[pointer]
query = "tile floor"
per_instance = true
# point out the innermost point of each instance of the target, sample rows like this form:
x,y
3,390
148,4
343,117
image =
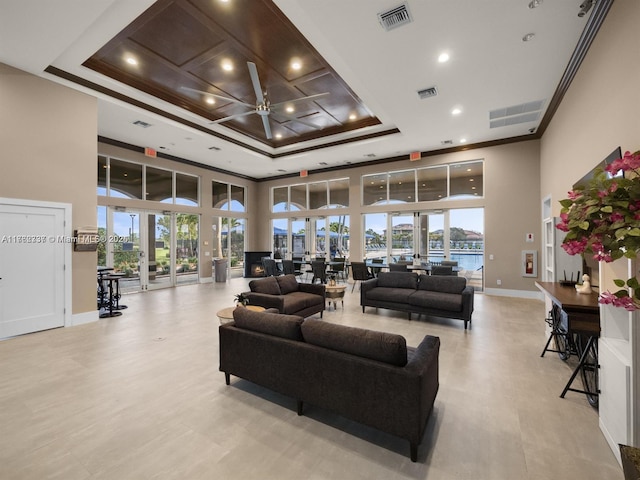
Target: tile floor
x,y
140,397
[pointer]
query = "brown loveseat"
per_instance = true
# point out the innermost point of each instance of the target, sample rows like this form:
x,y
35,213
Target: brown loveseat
x,y
370,377
287,295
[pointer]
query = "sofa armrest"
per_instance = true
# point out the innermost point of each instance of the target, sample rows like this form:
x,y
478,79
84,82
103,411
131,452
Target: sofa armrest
x,y
467,302
315,288
424,363
265,300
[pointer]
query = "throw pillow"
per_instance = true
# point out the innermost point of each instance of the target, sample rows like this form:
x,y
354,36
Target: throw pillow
x,y
268,285
383,347
287,283
278,325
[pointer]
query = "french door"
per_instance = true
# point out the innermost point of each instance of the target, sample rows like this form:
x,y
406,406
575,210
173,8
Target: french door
x,y
152,249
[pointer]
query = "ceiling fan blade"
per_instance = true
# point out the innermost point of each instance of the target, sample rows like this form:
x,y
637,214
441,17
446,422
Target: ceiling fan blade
x,y
253,73
232,100
303,99
294,119
267,127
231,117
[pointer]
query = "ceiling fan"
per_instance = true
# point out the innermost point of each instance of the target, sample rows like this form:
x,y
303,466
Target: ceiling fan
x,y
263,106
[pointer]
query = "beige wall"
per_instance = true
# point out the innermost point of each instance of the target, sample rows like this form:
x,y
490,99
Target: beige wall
x,y
600,110
511,201
48,135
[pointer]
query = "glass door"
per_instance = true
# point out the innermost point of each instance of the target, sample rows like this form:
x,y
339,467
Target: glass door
x,y
161,270
298,238
432,245
402,238
123,249
187,241
466,241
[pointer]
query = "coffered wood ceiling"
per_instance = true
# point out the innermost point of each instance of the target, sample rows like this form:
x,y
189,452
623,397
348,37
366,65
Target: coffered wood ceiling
x,y
186,43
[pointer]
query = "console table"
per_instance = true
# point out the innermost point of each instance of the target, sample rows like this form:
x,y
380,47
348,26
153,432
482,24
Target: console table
x,y
582,312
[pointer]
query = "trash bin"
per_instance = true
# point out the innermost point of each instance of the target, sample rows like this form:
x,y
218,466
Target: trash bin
x,y
220,268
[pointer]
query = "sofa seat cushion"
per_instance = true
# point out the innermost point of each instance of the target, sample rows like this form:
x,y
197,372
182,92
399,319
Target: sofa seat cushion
x,y
287,283
398,280
451,302
268,285
442,283
297,301
383,347
278,325
390,294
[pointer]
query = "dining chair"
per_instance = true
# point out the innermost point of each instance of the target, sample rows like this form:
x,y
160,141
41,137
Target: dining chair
x,y
289,268
338,268
319,269
360,272
442,270
398,267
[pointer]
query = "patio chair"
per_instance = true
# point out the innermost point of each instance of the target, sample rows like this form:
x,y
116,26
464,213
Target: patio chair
x,y
319,270
359,272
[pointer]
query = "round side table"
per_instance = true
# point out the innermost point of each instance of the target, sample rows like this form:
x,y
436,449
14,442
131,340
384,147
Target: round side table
x,y
226,314
335,293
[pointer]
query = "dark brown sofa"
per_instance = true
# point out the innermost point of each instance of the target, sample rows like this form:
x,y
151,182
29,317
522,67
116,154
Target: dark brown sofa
x,y
436,295
370,377
287,295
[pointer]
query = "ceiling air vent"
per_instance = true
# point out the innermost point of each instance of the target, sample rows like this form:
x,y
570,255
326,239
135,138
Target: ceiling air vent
x,y
427,92
447,142
396,17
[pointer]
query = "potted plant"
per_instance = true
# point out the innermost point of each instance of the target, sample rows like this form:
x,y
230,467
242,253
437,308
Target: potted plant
x,y
241,299
602,218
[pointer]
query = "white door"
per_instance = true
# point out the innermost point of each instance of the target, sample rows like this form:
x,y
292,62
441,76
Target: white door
x,y
32,277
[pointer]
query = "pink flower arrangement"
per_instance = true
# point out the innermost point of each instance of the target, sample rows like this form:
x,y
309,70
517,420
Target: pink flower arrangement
x,y
602,219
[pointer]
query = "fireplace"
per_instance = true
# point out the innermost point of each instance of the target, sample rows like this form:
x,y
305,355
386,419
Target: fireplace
x,y
253,264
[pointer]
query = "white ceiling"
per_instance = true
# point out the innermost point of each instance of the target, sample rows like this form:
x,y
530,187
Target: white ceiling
x,y
490,67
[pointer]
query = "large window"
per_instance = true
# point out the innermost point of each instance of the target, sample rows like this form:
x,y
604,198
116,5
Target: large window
x,y
228,197
311,196
122,179
457,180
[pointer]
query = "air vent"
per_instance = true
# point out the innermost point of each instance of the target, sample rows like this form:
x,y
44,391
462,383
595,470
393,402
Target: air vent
x,y
427,92
515,114
396,17
370,155
216,149
142,124
447,142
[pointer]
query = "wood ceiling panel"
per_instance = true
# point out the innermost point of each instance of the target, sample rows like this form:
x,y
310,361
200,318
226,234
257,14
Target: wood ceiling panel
x,y
195,38
183,43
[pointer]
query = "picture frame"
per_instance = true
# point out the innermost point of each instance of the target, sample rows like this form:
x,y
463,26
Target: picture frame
x,y
529,263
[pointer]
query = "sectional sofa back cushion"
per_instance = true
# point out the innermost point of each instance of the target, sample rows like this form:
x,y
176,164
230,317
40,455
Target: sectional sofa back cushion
x,y
383,347
442,283
398,280
278,325
287,283
268,285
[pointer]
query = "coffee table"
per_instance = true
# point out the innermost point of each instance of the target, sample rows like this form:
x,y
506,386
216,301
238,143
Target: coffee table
x,y
335,293
226,314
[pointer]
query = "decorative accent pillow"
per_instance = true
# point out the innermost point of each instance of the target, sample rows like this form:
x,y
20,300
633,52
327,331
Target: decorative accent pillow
x,y
398,280
288,283
383,347
276,324
268,285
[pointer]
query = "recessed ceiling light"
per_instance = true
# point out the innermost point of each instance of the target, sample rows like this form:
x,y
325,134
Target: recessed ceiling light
x,y
210,100
289,109
444,57
352,116
463,140
227,66
278,136
528,37
471,179
296,64
131,61
456,111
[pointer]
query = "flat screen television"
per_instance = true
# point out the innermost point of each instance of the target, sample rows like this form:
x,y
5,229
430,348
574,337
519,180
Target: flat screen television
x,y
616,154
589,265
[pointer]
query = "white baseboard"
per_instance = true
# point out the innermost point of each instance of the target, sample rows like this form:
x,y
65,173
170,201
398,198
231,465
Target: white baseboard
x,y
82,318
503,292
612,443
206,280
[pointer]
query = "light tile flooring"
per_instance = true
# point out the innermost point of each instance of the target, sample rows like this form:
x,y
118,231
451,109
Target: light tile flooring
x,y
140,397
